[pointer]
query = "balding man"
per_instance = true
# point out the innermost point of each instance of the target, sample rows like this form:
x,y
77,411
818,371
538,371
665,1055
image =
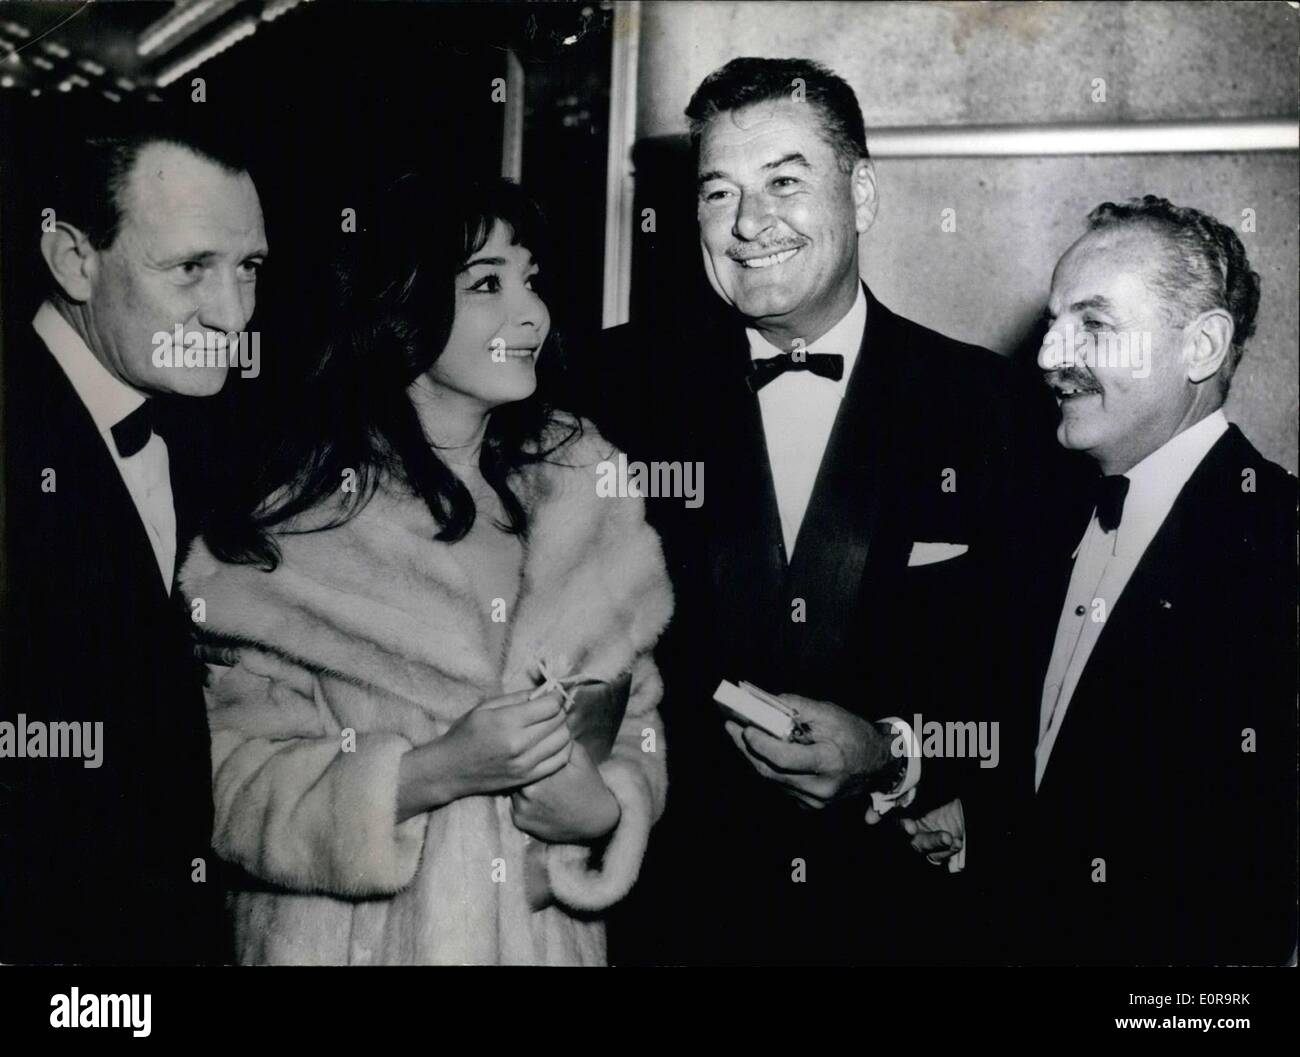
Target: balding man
x,y
1158,766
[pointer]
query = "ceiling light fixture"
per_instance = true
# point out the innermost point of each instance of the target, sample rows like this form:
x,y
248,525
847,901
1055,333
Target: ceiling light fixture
x,y
183,20
236,32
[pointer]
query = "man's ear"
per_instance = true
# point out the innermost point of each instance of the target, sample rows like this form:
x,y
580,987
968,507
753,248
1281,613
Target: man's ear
x,y
1207,343
863,181
72,260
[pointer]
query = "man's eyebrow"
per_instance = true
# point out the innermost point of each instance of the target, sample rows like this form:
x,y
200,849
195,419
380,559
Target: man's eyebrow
x,y
201,256
206,256
794,157
1098,302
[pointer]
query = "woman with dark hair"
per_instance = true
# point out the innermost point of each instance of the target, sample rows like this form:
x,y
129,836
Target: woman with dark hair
x,y
424,572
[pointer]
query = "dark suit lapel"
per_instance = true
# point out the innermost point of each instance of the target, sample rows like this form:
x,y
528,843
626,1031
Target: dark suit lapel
x,y
841,523
82,462
1043,582
1160,590
746,551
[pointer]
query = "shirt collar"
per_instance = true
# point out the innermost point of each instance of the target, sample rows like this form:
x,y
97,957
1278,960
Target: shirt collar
x,y
107,398
1155,482
843,339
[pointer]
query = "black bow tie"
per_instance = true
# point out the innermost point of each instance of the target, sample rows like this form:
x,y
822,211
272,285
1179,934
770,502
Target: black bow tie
x,y
825,364
1109,493
133,432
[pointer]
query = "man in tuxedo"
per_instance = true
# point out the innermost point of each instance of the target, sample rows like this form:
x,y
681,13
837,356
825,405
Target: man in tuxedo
x,y
150,234
1157,772
858,469
1164,771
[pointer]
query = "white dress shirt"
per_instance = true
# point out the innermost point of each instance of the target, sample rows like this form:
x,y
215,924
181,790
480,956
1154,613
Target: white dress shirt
x,y
1103,563
799,410
109,400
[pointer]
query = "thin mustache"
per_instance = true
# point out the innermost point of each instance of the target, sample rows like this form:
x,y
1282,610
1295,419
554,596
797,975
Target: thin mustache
x,y
766,251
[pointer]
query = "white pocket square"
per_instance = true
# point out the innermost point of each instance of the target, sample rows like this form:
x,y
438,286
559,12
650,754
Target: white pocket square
x,y
929,553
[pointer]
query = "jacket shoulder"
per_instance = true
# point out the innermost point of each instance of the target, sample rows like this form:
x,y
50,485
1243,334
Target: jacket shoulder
x,y
1240,503
964,363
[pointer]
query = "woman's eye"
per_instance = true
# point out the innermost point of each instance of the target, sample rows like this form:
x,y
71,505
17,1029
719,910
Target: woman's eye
x,y
489,284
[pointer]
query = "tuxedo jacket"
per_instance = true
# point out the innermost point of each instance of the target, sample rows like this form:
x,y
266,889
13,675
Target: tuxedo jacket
x,y
1164,830
97,865
925,450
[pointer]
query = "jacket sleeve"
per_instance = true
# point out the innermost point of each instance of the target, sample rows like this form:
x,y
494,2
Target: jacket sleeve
x,y
297,803
591,879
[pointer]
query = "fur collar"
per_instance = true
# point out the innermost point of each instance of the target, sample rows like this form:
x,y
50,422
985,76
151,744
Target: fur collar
x,y
378,602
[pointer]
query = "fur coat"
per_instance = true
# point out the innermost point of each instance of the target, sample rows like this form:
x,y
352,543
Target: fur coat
x,y
373,627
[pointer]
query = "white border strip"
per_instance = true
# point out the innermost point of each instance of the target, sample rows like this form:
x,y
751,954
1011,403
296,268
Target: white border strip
x,y
512,120
1157,137
619,178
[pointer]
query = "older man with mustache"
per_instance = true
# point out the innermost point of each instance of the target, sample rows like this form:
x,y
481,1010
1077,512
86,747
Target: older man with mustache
x,y
861,474
1159,799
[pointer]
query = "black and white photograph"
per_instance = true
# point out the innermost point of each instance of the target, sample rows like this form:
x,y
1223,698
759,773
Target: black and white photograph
x,y
655,484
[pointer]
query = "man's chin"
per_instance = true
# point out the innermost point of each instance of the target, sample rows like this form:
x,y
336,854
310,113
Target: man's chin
x,y
764,304
192,381
1074,437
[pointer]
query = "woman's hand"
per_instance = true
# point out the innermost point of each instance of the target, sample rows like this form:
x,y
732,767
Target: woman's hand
x,y
501,744
573,806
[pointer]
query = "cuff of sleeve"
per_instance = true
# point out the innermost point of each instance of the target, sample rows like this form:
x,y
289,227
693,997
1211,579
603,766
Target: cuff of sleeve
x,y
375,854
958,862
904,792
573,882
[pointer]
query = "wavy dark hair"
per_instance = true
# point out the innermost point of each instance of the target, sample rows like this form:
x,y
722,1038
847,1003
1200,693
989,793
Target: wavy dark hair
x,y
392,309
748,80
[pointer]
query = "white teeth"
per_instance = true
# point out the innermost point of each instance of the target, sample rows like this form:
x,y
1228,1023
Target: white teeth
x,y
767,262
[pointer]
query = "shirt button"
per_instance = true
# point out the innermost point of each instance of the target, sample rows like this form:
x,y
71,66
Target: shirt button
x,y
1079,611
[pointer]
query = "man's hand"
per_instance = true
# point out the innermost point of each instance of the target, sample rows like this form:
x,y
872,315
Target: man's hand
x,y
846,753
572,806
939,834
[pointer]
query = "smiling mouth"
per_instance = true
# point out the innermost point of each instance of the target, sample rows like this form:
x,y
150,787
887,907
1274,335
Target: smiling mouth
x,y
522,352
1065,393
771,260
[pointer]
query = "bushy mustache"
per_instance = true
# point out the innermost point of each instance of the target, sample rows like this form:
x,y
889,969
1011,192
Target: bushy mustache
x,y
1072,378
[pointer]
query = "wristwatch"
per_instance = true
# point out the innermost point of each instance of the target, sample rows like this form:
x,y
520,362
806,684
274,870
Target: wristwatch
x,y
902,777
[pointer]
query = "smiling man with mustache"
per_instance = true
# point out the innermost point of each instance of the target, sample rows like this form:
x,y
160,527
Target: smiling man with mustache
x,y
1158,818
861,468
781,206
1180,847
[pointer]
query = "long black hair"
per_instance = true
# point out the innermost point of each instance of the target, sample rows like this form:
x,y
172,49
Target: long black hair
x,y
390,313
